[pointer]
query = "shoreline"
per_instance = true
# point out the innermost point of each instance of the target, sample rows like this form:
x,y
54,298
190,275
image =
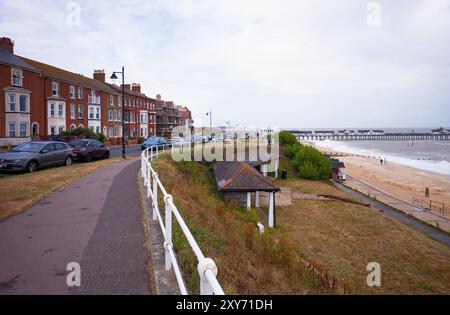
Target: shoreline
x,y
401,181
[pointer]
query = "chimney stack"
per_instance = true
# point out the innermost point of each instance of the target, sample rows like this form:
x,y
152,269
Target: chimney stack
x,y
136,87
7,44
99,75
127,86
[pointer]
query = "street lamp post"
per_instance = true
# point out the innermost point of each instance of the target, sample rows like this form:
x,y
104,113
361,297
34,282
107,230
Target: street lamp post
x,y
114,77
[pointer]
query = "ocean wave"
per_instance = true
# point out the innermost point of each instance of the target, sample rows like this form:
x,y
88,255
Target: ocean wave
x,y
421,163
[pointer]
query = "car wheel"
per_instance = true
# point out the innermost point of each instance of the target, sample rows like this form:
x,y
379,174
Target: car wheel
x,y
68,161
106,155
32,166
88,158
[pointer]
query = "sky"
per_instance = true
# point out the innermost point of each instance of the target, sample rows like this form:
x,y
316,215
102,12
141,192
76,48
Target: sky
x,y
284,63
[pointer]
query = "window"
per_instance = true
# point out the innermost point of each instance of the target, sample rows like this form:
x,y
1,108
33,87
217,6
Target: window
x,y
52,130
12,103
52,110
17,77
72,111
72,92
23,130
91,113
111,100
80,112
50,147
97,113
60,147
73,127
23,102
97,129
55,88
12,130
60,110
80,93
61,129
127,116
111,115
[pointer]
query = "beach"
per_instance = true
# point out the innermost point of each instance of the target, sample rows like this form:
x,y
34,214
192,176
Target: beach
x,y
402,182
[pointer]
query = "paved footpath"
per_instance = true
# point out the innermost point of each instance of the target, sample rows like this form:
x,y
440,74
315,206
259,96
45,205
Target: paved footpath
x,y
96,221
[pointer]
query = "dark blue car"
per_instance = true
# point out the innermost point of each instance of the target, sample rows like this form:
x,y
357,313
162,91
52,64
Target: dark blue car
x,y
153,142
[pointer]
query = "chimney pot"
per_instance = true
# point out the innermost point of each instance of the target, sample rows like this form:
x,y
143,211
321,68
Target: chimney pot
x,y
100,75
7,44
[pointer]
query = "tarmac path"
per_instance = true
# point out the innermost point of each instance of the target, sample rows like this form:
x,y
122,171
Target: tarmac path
x,y
95,221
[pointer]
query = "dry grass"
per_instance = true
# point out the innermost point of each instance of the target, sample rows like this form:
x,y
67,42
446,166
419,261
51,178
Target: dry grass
x,y
19,192
247,263
344,238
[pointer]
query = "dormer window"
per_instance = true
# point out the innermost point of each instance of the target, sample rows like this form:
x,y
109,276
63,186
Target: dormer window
x,y
16,77
55,88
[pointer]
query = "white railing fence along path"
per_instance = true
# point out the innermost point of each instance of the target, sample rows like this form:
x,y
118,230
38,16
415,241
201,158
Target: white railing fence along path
x,y
206,267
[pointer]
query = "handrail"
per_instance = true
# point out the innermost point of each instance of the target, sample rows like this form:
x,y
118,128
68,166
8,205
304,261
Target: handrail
x,y
206,267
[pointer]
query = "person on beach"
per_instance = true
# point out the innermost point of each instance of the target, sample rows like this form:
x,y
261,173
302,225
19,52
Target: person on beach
x,y
385,162
381,161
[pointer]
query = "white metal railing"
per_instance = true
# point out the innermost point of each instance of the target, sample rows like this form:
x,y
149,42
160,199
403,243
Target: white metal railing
x,y
206,267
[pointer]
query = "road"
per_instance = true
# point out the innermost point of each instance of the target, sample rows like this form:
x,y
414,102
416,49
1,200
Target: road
x,y
387,210
96,222
134,150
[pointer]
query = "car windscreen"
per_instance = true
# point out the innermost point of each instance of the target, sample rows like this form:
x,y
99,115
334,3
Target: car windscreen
x,y
29,147
78,143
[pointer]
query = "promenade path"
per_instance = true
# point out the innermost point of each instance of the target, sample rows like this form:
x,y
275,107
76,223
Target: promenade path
x,y
95,221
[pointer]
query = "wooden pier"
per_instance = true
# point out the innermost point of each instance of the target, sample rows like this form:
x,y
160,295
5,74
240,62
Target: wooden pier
x,y
302,135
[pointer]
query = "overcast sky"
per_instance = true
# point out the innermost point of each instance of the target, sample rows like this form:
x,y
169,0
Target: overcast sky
x,y
283,63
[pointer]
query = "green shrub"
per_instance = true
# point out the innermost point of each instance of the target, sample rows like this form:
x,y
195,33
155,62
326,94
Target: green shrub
x,y
84,133
312,164
291,150
287,138
140,140
101,137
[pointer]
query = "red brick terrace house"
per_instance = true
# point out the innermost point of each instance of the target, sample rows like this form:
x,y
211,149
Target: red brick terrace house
x,y
21,114
140,114
73,100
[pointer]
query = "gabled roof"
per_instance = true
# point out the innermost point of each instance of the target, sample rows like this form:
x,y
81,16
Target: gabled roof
x,y
12,60
67,76
240,177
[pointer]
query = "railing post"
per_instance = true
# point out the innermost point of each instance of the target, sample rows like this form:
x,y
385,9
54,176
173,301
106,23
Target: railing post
x,y
168,232
155,196
202,267
149,184
271,210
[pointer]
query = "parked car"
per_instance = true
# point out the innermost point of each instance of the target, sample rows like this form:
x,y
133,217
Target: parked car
x,y
88,149
153,142
31,156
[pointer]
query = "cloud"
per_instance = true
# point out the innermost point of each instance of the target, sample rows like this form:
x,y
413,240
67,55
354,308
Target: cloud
x,y
285,63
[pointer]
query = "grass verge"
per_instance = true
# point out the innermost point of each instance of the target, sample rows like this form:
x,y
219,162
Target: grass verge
x,y
248,263
19,192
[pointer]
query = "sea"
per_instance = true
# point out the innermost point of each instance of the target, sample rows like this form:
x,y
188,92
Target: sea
x,y
431,156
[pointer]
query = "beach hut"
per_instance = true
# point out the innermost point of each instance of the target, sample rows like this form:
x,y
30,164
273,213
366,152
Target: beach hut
x,y
337,172
238,181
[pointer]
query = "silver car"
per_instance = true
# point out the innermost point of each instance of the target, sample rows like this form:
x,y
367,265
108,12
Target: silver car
x,y
31,156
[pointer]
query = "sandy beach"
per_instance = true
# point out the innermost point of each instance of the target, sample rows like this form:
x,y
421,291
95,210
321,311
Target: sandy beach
x,y
398,180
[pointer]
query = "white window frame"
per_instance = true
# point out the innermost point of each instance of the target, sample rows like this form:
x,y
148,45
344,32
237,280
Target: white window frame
x,y
20,129
10,97
80,112
72,111
13,130
72,92
97,113
18,73
51,110
80,93
55,88
60,110
26,103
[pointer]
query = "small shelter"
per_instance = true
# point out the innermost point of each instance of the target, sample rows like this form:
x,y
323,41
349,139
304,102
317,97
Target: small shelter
x,y
237,181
